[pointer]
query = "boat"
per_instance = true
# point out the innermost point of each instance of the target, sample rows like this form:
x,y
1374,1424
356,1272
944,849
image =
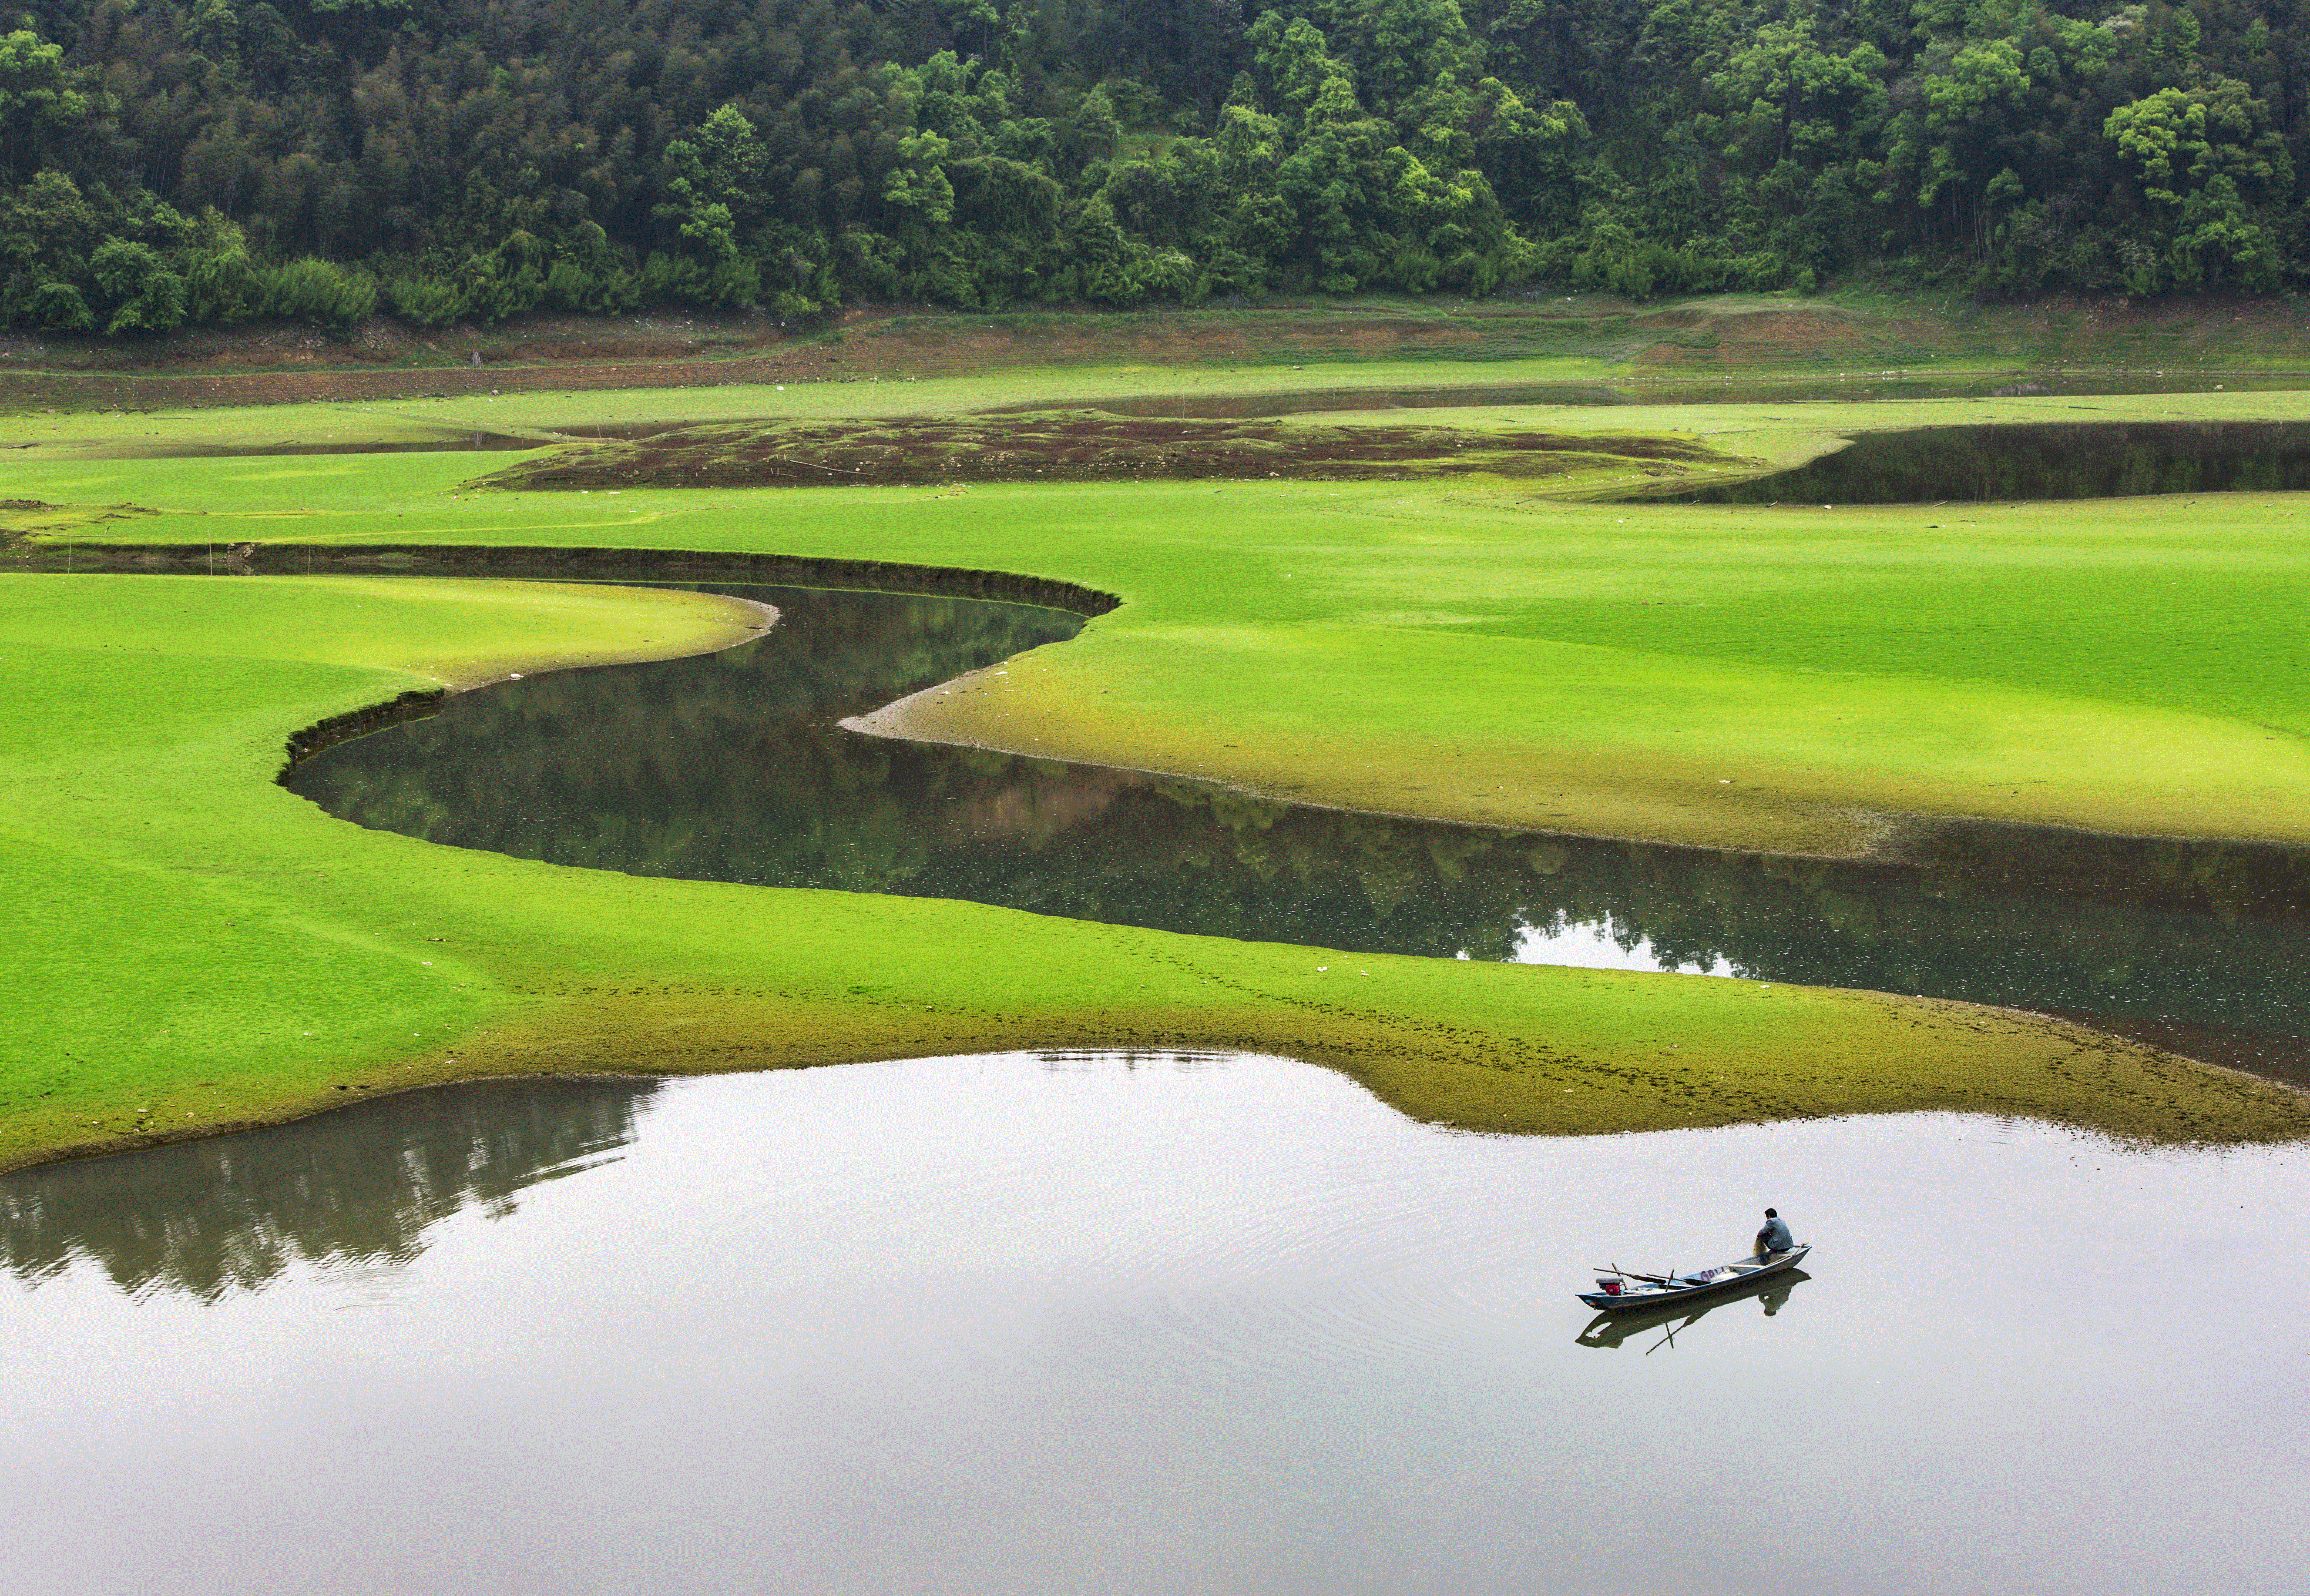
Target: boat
x,y
1623,1289
1680,1314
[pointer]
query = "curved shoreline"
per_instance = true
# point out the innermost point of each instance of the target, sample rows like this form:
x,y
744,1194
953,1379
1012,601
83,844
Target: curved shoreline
x,y
545,563
1895,827
1371,1055
596,972
898,728
798,570
957,582
889,721
1899,828
420,703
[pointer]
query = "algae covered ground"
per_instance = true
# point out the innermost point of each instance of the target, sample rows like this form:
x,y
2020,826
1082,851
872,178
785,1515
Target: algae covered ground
x,y
194,948
1484,649
1783,679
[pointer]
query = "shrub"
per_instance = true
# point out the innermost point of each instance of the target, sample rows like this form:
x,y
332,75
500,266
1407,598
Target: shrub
x,y
567,287
147,296
426,302
313,290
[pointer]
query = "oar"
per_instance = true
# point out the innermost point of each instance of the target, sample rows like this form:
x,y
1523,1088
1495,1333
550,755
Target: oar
x,y
1632,1275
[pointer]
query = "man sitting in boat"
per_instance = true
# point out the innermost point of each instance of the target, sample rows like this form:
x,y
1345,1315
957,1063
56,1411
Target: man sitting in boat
x,y
1775,1236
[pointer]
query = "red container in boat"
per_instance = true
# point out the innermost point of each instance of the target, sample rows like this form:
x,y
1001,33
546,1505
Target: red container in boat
x,y
1612,1287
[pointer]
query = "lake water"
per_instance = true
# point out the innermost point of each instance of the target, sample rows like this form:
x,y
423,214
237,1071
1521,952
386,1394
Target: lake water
x,y
731,767
1023,1324
2038,460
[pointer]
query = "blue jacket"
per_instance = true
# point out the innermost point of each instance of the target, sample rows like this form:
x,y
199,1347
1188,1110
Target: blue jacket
x,y
1776,1238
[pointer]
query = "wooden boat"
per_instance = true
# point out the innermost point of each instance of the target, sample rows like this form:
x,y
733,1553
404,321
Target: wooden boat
x,y
1675,1315
1624,1289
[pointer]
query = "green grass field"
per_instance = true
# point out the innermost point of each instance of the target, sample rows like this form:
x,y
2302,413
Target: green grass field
x,y
178,430
192,947
1779,679
68,446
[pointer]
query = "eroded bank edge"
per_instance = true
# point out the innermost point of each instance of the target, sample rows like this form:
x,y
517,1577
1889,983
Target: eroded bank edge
x,y
422,703
1394,1059
800,570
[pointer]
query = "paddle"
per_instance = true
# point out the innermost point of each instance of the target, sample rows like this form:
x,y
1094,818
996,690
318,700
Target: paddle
x,y
1632,1275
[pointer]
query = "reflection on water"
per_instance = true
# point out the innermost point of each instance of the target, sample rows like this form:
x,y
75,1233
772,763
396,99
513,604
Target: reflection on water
x,y
2039,460
1142,1326
236,1213
732,768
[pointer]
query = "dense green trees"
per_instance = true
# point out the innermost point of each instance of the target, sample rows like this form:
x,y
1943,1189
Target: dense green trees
x,y
209,160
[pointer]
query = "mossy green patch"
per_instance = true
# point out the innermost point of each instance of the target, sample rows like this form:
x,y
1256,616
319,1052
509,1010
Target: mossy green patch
x,y
1781,678
195,948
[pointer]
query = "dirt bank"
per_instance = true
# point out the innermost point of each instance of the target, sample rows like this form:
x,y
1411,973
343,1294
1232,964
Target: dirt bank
x,y
1075,445
1697,339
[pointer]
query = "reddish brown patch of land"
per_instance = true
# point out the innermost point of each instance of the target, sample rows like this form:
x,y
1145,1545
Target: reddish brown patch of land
x,y
1070,446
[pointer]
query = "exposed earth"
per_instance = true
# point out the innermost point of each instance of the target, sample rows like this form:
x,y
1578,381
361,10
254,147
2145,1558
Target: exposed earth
x,y
1075,445
1647,346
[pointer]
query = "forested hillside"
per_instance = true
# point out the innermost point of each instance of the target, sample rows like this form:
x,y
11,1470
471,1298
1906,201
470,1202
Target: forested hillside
x,y
169,162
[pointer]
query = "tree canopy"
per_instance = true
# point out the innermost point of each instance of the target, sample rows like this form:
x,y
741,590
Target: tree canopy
x,y
165,161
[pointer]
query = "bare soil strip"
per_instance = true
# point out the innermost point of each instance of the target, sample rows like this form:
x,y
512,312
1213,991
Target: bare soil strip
x,y
1077,445
2078,343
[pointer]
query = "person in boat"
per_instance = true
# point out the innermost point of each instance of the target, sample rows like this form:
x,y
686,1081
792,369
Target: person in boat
x,y
1775,1236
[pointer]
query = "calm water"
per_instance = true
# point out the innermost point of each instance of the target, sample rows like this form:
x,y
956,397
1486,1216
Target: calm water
x,y
1010,1324
730,766
2042,460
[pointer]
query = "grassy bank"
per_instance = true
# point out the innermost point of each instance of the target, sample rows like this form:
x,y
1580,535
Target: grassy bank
x,y
194,948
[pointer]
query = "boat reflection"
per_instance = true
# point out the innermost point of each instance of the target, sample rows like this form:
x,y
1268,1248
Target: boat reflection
x,y
1610,1330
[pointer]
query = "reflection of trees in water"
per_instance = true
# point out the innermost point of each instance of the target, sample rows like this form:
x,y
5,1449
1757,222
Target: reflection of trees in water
x,y
2054,460
2003,915
356,1187
730,767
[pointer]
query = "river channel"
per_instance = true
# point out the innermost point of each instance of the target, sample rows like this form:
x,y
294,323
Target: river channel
x,y
732,767
2017,463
